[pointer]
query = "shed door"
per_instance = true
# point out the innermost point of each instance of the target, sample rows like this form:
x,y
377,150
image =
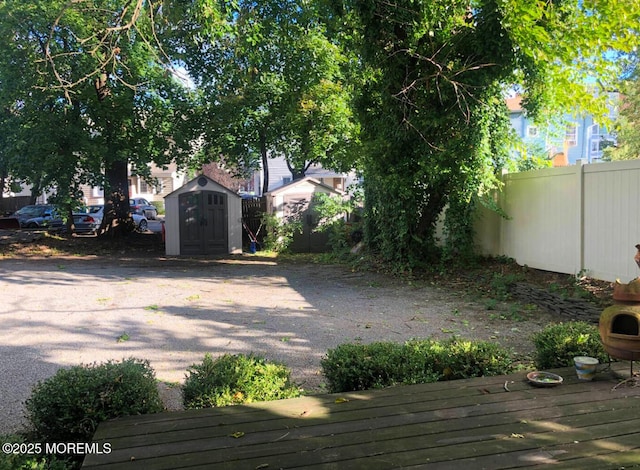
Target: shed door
x,y
203,223
301,206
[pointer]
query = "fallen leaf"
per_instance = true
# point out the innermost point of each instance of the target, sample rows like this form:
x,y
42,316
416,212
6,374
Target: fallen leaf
x,y
237,434
517,436
342,400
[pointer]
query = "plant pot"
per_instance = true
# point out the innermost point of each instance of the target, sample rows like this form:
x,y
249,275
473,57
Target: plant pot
x,y
586,367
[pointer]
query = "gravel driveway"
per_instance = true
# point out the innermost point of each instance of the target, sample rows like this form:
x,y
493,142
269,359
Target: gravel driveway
x,y
58,313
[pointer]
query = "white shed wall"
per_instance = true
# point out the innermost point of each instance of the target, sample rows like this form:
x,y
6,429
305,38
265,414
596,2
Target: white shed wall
x,y
172,217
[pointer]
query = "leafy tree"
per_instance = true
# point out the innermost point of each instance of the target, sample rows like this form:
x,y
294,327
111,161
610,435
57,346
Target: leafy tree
x,y
272,84
432,104
627,125
88,94
530,156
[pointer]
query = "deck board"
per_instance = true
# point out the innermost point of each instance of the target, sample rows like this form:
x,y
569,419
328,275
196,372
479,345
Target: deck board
x,y
475,423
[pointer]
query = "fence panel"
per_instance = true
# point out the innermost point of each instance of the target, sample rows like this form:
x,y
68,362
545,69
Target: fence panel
x,y
12,204
252,210
611,220
543,207
568,220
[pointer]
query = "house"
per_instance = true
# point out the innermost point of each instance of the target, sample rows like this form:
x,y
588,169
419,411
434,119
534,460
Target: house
x,y
279,175
295,200
576,138
167,179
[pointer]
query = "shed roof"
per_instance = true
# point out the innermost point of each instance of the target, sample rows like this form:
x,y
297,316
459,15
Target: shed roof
x,y
301,181
199,183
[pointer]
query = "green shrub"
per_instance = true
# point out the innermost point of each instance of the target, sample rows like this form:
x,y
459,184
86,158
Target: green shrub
x,y
159,205
279,232
458,358
557,345
28,461
363,366
69,406
235,379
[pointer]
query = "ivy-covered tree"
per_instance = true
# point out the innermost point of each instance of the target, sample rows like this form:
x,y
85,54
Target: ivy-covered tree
x,y
432,104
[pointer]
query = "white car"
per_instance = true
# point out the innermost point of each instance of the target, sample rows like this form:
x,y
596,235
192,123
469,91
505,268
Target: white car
x,y
97,212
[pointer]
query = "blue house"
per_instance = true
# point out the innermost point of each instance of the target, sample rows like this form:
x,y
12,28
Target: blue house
x,y
578,138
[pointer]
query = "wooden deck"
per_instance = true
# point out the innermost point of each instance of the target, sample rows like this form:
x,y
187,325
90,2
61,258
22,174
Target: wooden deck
x,y
466,424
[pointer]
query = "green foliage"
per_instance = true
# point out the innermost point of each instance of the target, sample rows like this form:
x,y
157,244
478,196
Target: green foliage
x,y
69,406
159,205
501,284
557,345
58,132
362,366
279,232
381,364
273,85
332,212
236,379
29,461
431,101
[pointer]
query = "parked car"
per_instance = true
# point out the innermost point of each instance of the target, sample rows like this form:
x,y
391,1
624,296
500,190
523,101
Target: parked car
x,y
96,212
33,214
141,206
84,222
40,216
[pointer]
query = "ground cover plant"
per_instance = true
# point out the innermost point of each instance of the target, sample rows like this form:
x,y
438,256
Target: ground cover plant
x,y
25,461
236,379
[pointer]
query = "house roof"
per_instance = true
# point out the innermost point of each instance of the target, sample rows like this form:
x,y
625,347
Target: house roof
x,y
515,103
299,182
316,171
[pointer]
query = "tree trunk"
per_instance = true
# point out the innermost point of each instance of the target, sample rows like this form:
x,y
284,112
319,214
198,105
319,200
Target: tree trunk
x,y
116,207
296,174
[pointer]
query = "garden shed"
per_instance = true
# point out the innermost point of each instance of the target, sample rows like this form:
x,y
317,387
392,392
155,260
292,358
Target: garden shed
x,y
203,218
295,200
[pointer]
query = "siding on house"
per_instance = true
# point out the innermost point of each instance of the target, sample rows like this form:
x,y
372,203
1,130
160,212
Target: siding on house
x,y
168,180
279,175
579,138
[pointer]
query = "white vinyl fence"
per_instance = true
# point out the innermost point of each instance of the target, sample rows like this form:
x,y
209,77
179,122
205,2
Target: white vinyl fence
x,y
577,219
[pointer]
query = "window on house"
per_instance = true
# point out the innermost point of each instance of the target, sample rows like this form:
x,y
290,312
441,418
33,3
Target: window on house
x,y
286,179
532,131
159,185
571,135
97,192
144,187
